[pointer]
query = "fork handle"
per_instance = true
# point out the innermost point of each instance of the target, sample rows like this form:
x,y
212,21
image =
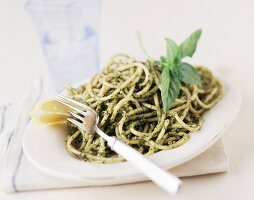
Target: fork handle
x,y
164,179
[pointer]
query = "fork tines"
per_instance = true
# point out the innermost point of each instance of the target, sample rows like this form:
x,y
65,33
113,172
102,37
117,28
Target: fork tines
x,y
70,106
74,102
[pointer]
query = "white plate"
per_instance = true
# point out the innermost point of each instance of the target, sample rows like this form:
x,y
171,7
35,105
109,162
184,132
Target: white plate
x,y
45,147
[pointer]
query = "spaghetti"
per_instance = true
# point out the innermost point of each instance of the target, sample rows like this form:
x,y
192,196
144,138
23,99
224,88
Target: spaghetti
x,y
126,96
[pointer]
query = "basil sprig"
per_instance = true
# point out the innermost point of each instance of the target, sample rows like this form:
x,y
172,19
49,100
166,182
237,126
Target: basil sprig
x,y
174,70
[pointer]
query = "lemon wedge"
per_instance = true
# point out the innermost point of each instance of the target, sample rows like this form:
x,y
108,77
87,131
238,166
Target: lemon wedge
x,y
50,112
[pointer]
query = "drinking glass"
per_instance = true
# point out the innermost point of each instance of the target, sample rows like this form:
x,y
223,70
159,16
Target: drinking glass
x,y
69,36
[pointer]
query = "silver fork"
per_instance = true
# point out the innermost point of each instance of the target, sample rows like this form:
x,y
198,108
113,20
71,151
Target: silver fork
x,y
166,180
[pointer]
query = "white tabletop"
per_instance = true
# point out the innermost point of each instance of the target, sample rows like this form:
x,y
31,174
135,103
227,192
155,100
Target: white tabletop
x,y
227,43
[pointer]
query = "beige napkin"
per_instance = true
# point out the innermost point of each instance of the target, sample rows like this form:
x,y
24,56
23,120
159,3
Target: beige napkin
x,y
212,160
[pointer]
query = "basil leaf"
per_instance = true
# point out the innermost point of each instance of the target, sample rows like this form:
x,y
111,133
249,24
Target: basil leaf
x,y
188,74
172,51
165,81
174,89
176,73
170,87
188,47
174,70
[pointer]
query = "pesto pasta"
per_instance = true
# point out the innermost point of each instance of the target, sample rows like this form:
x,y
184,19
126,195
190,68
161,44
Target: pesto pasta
x,y
126,96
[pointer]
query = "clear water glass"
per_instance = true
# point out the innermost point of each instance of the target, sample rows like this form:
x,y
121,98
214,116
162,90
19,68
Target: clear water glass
x,y
69,35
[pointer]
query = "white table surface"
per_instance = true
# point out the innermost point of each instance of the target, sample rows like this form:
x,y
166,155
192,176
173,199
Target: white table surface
x,y
227,42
